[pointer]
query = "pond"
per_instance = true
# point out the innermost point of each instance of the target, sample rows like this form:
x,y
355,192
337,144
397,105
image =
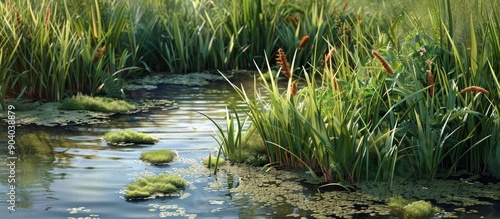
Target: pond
x,y
85,178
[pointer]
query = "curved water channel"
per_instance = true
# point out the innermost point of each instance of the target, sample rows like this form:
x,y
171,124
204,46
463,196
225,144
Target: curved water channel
x,y
85,177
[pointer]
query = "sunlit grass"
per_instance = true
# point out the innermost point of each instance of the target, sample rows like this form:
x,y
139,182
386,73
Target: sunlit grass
x,y
129,136
101,104
162,184
158,156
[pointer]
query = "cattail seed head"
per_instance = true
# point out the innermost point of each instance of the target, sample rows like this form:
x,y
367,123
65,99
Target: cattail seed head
x,y
430,78
294,21
18,18
99,52
303,41
335,83
430,83
384,63
293,88
329,56
346,3
47,15
283,63
475,89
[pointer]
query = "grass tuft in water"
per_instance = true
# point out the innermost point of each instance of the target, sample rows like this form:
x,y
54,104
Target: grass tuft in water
x,y
101,104
158,156
149,186
129,136
213,161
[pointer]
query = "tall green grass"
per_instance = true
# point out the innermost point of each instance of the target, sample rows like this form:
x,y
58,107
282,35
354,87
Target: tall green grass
x,y
355,118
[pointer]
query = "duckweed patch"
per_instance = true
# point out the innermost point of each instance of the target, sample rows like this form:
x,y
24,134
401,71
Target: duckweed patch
x,y
212,161
100,104
162,184
48,114
158,157
274,187
151,81
124,137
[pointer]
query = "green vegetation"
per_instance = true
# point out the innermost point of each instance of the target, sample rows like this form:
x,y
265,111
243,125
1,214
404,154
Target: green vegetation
x,y
129,136
101,104
162,184
422,101
158,156
407,209
373,88
213,161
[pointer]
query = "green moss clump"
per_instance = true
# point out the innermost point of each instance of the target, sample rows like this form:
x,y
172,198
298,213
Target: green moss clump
x,y
149,186
407,209
129,136
419,210
158,156
397,204
101,104
210,161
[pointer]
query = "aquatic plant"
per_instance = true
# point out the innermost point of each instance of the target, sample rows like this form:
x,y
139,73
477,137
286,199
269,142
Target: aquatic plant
x,y
213,161
101,104
158,156
407,209
162,184
129,136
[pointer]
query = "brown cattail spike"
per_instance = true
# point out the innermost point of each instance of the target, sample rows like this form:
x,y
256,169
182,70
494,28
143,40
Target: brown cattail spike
x,y
303,41
99,53
283,63
294,21
293,88
384,63
475,89
47,15
430,78
329,56
335,83
346,3
18,18
430,83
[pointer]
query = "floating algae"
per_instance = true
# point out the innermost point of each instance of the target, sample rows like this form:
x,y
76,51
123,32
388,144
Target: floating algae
x,y
160,185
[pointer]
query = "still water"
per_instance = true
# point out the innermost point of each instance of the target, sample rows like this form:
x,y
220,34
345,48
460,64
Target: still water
x,y
83,177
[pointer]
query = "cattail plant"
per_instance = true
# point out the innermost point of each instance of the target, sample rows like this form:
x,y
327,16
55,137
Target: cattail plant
x,y
283,63
384,63
475,89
